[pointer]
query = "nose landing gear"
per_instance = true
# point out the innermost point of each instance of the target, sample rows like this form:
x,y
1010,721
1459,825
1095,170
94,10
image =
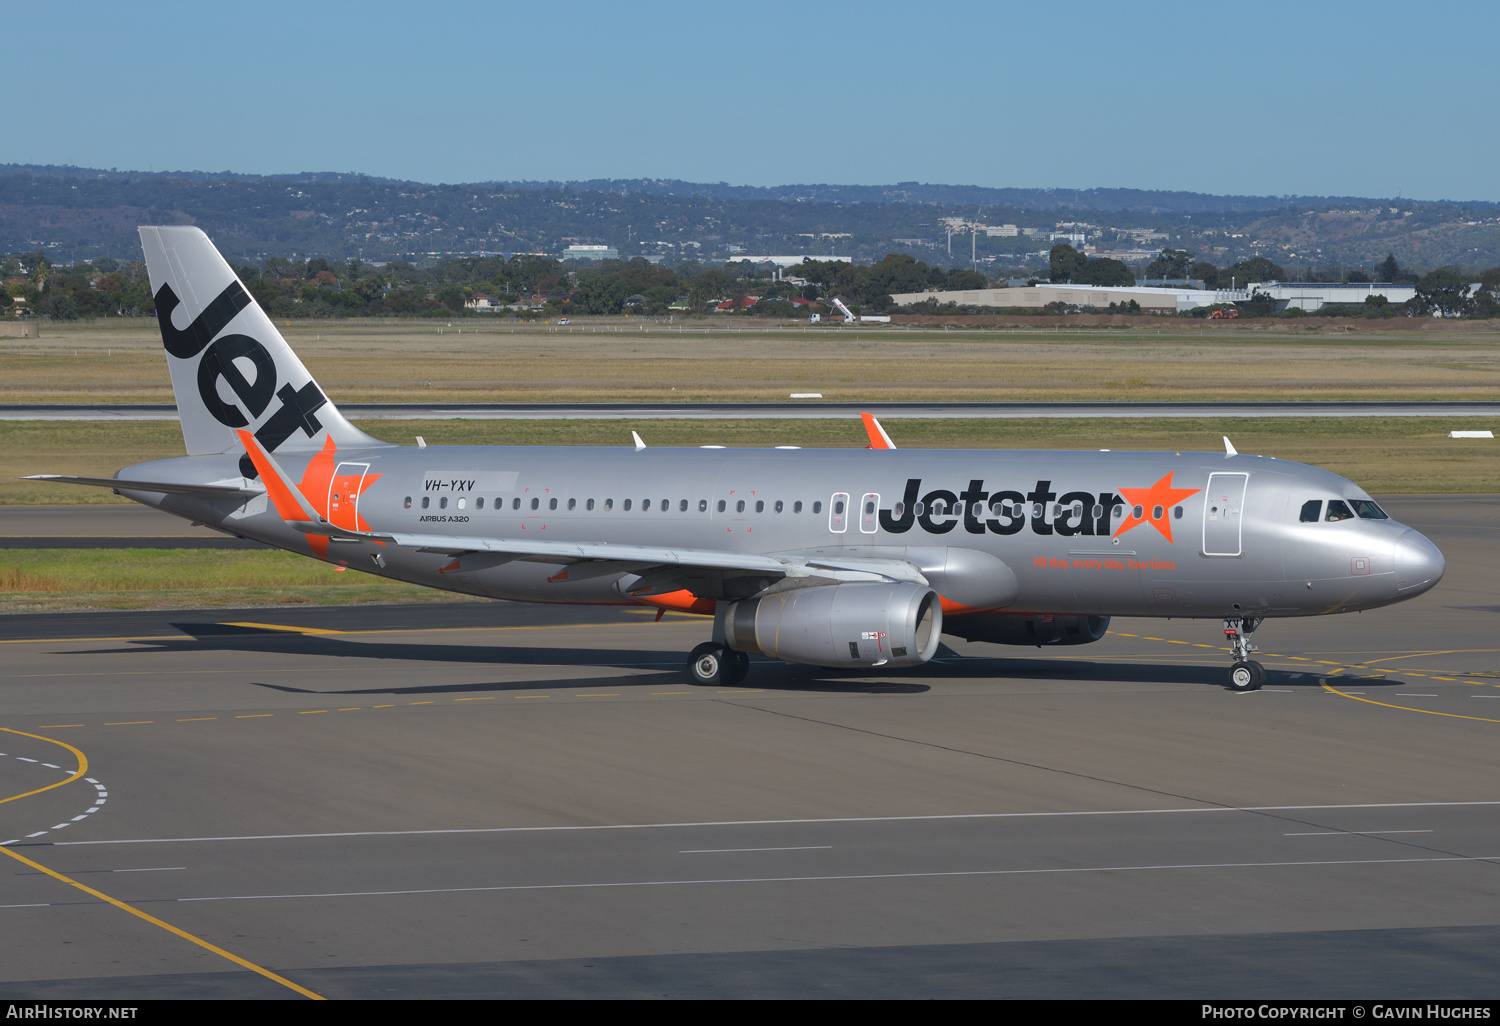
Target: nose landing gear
x,y
1246,674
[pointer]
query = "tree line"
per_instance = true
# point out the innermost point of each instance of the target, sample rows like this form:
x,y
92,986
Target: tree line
x,y
536,286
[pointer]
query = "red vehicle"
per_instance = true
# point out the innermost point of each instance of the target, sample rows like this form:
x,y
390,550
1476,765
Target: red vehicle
x,y
1227,313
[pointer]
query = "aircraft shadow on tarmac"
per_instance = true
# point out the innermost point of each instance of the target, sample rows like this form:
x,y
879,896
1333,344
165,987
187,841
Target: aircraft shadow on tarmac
x,y
765,675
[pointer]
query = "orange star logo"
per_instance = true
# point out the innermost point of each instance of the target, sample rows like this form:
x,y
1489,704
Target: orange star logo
x,y
1153,506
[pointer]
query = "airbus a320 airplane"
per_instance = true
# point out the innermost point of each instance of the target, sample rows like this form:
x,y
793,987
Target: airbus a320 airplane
x,y
835,558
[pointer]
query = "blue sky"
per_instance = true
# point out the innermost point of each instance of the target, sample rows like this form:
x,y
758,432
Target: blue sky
x,y
1310,98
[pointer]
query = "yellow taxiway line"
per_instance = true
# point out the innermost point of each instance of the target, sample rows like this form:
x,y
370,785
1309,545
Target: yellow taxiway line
x,y
83,765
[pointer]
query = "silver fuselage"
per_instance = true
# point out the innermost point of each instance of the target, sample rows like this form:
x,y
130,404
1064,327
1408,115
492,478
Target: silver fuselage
x,y
1076,544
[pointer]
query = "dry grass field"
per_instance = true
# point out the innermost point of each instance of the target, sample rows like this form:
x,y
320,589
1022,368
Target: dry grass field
x,y
1385,455
705,361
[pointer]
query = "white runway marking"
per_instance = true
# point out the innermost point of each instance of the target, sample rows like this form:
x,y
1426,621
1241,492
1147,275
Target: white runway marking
x,y
718,851
791,822
151,869
1355,833
849,877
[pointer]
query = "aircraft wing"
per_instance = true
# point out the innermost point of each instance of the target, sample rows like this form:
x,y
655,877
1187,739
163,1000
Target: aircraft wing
x,y
203,491
547,552
601,558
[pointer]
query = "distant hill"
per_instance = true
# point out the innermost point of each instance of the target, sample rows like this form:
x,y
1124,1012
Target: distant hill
x,y
85,213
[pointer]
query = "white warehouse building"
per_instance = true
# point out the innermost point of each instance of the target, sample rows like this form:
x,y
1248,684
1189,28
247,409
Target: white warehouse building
x,y
1158,300
1312,296
1302,296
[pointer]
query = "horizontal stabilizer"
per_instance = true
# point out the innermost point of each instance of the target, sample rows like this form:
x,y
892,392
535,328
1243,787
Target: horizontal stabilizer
x,y
202,491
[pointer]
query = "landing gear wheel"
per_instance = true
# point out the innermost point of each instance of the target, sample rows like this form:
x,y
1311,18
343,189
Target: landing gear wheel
x,y
1247,676
709,663
736,666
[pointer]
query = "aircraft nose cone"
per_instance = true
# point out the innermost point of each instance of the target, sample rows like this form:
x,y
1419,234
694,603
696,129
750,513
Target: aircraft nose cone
x,y
1419,564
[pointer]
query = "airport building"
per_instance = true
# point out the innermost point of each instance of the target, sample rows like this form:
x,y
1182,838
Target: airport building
x,y
1035,297
590,253
788,261
1311,296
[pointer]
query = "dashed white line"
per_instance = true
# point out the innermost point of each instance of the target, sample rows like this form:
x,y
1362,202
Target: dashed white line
x,y
100,797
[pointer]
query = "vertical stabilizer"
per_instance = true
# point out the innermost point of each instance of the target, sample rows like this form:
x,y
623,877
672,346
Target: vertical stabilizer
x,y
231,369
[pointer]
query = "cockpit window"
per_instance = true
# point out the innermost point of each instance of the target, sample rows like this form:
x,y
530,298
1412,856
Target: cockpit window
x,y
1310,510
1367,510
1337,510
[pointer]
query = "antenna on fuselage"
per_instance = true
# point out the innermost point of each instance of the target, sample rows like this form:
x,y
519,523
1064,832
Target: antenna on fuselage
x,y
1229,449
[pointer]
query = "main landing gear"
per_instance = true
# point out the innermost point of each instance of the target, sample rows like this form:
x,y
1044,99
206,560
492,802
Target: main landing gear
x,y
716,663
1246,674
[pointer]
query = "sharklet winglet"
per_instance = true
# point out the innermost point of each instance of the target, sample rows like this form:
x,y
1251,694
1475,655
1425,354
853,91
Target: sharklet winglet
x,y
878,438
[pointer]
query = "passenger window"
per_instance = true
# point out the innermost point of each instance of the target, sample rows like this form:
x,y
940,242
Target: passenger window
x,y
702,505
572,503
515,503
739,507
1338,511
778,507
609,504
443,502
536,503
721,505
551,503
682,506
499,502
408,503
589,504
817,507
479,502
797,506
666,504
1176,513
626,506
760,505
1311,510
645,504
425,501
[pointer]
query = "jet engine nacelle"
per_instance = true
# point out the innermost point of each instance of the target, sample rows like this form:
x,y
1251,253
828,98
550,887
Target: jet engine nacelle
x,y
840,625
1027,628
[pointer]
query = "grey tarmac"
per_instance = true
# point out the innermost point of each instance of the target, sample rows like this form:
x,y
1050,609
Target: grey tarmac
x,y
431,805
